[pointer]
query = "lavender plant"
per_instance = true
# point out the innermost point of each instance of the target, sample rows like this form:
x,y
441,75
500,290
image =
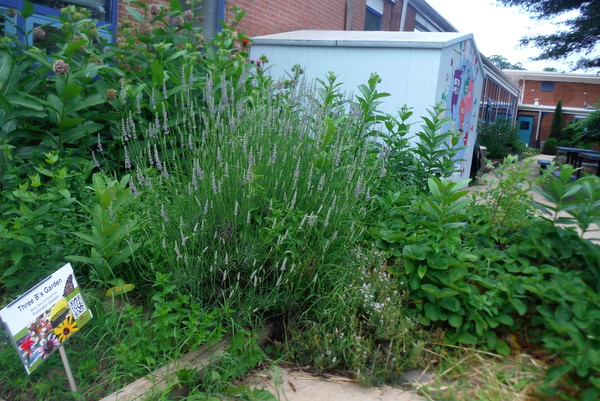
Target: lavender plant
x,y
249,201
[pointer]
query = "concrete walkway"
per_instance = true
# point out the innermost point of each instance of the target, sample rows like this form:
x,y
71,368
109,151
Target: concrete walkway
x,y
295,385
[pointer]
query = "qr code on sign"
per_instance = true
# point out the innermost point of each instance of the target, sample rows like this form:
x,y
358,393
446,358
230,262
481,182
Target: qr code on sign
x,y
77,306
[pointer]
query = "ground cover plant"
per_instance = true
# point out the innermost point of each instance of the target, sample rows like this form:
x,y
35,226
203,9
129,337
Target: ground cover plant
x,y
215,199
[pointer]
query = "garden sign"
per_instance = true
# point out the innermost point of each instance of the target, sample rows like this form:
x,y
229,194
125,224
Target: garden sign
x,y
40,320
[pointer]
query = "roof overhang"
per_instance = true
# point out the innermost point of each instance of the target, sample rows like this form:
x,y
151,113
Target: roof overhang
x,y
550,109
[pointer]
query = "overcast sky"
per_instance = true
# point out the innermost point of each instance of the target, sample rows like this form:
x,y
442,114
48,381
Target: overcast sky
x,y
498,29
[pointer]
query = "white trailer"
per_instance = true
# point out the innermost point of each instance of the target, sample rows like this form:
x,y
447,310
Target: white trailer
x,y
418,69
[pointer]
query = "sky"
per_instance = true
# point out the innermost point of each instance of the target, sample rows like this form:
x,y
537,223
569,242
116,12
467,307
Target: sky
x,y
498,29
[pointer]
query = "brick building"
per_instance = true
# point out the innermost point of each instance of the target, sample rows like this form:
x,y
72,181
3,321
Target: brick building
x,y
539,95
267,17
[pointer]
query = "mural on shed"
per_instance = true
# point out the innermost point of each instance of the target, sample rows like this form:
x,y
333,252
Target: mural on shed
x,y
463,79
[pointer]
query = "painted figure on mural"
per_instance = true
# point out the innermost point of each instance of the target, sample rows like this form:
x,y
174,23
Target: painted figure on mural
x,y
460,98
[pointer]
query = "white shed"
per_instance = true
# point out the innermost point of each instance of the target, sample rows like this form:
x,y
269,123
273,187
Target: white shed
x,y
419,69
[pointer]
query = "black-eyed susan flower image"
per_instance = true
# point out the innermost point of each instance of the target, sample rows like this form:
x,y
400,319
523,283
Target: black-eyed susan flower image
x,y
66,328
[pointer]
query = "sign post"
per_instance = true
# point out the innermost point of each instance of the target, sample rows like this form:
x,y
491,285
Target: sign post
x,y
42,319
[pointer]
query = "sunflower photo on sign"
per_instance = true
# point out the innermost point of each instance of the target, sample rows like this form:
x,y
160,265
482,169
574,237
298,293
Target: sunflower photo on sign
x,y
46,316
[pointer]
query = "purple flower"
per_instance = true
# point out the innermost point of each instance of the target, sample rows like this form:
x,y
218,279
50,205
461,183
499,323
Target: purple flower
x,y
154,9
163,214
39,33
178,21
60,68
215,189
96,163
99,143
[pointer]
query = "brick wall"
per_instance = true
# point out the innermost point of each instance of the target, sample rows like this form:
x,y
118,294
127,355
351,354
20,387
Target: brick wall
x,y
391,16
411,19
572,94
267,16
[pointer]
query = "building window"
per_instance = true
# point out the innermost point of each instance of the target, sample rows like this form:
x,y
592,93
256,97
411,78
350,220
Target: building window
x,y
372,20
547,86
99,9
105,11
524,125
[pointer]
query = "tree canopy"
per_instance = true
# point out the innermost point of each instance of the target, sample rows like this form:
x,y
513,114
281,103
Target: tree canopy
x,y
581,36
503,64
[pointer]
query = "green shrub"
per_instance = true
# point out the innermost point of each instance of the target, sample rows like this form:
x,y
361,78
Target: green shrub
x,y
549,147
253,205
38,215
500,138
490,270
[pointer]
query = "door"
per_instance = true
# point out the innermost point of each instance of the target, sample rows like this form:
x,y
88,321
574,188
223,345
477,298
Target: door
x,y
525,126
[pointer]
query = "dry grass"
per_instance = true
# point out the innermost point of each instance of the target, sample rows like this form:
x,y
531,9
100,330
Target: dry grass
x,y
468,374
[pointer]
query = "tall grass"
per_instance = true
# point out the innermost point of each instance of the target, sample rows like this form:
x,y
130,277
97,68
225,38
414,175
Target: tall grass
x,y
253,204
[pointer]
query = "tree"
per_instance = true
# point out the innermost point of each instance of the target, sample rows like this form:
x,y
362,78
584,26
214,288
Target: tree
x,y
581,36
556,127
586,130
550,69
503,64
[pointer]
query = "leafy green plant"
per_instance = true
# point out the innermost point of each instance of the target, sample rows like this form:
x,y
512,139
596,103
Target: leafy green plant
x,y
549,147
37,214
49,96
507,203
571,202
112,225
434,149
500,137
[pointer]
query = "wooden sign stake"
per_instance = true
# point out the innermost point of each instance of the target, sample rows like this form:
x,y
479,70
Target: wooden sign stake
x,y
65,361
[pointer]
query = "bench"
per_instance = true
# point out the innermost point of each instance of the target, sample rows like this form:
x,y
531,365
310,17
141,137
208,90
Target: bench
x,y
543,163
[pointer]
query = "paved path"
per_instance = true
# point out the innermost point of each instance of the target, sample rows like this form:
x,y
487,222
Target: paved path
x,y
295,385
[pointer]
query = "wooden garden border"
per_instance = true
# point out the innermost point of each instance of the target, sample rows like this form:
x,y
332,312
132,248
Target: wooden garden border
x,y
163,378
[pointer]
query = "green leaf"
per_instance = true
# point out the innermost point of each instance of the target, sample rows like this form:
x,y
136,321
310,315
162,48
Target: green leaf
x,y
11,270
71,91
505,319
175,5
27,10
157,72
6,63
432,311
67,123
556,372
56,106
74,47
455,320
422,271
502,347
519,306
89,101
24,100
450,303
75,134
135,14
6,103
466,338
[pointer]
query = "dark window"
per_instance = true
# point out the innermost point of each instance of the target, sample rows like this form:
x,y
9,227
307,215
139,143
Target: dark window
x,y
99,9
372,20
547,86
524,125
